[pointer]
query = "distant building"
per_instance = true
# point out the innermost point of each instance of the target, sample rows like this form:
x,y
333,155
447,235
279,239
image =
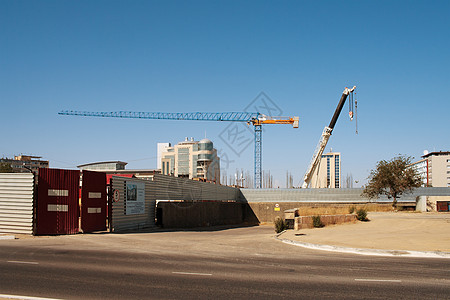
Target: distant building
x,y
117,168
103,166
25,163
161,147
328,172
434,168
421,167
192,159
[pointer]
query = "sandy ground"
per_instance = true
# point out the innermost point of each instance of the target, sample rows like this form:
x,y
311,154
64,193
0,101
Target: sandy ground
x,y
390,231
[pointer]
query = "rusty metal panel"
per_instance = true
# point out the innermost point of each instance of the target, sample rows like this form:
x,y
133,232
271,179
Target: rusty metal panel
x,y
442,205
132,209
57,209
16,203
93,201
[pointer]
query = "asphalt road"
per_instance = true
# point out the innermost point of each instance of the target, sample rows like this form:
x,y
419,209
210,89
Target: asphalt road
x,y
243,263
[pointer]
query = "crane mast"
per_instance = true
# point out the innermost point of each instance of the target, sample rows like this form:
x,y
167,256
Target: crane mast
x,y
324,138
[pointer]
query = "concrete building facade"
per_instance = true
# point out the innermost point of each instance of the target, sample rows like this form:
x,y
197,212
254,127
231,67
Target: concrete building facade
x,y
25,163
434,168
192,159
160,149
328,172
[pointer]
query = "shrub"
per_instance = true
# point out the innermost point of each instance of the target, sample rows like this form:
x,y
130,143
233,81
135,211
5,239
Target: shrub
x,y
351,209
361,214
317,223
280,225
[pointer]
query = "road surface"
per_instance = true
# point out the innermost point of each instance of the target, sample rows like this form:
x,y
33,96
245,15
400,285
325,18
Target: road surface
x,y
238,263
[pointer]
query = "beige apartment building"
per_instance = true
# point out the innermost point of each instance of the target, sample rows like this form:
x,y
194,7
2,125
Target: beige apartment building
x,y
328,172
434,168
25,163
192,159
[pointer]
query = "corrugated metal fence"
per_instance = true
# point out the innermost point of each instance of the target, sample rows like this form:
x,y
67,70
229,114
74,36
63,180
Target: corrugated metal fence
x,y
16,202
57,207
331,195
134,204
174,188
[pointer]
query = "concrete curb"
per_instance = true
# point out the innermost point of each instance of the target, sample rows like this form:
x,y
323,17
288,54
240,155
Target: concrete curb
x,y
4,236
362,251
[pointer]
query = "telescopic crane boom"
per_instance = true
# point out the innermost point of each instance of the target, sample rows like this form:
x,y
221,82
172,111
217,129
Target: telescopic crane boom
x,y
324,138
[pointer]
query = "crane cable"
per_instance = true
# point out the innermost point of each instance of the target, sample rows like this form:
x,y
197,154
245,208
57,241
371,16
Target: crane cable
x,y
356,115
352,108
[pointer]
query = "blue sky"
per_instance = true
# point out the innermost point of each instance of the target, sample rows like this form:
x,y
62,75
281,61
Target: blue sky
x,y
217,56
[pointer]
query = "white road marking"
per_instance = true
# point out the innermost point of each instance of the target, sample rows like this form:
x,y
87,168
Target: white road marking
x,y
23,262
24,297
188,273
377,280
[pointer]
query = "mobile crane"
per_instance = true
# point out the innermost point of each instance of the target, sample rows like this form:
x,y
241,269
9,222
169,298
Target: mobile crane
x,y
325,137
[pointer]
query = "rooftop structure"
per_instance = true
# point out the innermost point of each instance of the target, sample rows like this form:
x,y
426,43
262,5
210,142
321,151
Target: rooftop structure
x,y
103,166
25,163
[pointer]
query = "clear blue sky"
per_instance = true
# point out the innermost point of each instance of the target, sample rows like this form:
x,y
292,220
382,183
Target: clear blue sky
x,y
217,56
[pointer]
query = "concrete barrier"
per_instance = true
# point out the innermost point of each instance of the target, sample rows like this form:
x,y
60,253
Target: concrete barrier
x,y
267,212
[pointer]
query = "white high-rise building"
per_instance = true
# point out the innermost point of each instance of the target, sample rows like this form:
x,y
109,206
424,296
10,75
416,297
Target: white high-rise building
x,y
161,147
328,172
434,168
192,159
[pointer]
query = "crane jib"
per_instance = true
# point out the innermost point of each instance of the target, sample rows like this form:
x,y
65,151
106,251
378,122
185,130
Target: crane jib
x,y
197,116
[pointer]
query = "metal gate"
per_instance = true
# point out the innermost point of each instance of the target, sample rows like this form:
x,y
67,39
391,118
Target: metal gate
x,y
57,209
93,201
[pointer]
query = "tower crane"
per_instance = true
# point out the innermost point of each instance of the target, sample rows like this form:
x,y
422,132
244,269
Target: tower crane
x,y
325,137
254,118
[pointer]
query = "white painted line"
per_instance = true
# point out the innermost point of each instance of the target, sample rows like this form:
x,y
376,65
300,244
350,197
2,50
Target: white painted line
x,y
377,280
24,297
187,273
4,236
361,251
23,262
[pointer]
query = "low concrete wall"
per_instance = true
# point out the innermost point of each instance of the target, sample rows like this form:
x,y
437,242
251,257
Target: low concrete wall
x,y
307,221
200,214
267,212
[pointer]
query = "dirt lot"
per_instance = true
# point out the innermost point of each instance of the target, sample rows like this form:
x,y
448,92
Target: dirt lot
x,y
385,230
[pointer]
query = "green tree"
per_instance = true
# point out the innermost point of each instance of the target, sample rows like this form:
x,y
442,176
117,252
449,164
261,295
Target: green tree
x,y
6,168
392,178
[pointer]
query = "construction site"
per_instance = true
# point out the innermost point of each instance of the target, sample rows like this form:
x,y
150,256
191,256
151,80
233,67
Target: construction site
x,y
257,120
186,191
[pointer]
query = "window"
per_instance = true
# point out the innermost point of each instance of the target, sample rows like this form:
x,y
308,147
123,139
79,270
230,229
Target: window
x,y
205,156
328,172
